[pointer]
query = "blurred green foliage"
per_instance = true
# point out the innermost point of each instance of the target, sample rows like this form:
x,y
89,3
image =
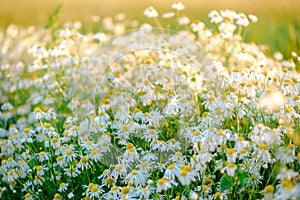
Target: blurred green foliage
x,y
278,26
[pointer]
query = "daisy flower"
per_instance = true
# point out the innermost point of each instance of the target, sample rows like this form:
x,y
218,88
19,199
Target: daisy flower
x,y
93,190
165,184
151,12
145,192
42,156
230,169
70,155
87,144
131,153
57,196
178,6
83,163
172,171
231,155
63,187
186,175
263,153
150,135
119,171
40,170
72,171
95,154
136,177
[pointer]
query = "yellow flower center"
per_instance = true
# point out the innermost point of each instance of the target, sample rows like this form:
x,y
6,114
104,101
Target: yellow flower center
x,y
288,184
84,159
59,158
87,197
203,151
130,147
69,152
240,138
160,181
88,142
291,146
197,133
26,130
243,151
230,165
136,110
183,173
68,126
134,172
118,167
105,144
91,185
114,188
101,113
94,151
178,153
171,166
220,132
187,168
106,100
94,189
230,151
288,109
54,140
144,164
109,180
47,125
152,131
38,109
125,190
27,195
124,128
71,169
264,147
217,194
269,188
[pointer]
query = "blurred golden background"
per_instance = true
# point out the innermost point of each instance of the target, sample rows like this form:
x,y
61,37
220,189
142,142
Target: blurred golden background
x,y
278,26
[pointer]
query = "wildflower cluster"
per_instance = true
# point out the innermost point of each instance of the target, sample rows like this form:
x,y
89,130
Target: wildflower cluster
x,y
149,113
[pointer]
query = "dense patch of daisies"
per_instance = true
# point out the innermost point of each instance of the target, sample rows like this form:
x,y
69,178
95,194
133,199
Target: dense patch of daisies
x,y
137,112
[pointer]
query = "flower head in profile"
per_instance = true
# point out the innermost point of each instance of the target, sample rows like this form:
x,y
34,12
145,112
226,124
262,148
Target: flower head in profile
x,y
93,190
164,184
215,17
186,175
151,12
168,15
253,18
178,6
242,20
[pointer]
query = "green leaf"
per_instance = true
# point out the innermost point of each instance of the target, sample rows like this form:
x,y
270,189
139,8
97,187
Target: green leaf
x,y
53,16
225,183
243,178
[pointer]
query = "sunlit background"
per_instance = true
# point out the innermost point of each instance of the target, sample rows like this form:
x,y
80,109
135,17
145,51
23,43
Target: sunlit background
x,y
279,25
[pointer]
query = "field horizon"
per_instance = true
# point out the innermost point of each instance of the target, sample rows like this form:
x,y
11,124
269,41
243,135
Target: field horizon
x,y
278,26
